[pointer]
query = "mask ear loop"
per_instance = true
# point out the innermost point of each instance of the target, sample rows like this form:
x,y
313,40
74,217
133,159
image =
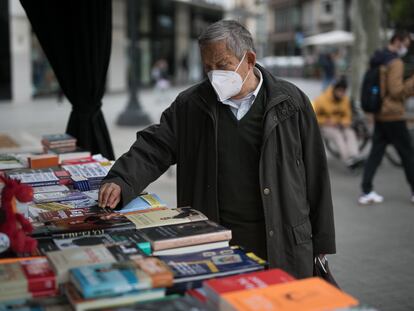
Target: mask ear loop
x,y
239,66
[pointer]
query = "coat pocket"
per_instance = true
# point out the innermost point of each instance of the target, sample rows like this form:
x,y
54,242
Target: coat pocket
x,y
303,232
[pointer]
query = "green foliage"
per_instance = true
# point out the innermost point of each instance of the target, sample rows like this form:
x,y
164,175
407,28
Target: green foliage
x,y
401,13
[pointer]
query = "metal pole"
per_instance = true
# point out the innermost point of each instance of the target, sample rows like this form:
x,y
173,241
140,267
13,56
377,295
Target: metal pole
x,y
133,115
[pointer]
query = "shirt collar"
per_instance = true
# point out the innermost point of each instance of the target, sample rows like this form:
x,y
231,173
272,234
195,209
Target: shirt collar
x,y
253,94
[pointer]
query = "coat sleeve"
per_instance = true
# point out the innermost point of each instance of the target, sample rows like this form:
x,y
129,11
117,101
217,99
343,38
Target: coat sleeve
x,y
317,181
153,152
398,88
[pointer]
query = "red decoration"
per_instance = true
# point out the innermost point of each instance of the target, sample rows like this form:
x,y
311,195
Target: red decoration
x,y
12,223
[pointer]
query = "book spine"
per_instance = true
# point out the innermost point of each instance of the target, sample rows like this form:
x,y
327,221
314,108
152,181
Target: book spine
x,y
192,240
44,183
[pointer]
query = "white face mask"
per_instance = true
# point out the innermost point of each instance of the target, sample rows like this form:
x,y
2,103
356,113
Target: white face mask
x,y
227,83
402,51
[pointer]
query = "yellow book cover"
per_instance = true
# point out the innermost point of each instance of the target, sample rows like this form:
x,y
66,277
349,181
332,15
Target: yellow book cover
x,y
312,294
169,216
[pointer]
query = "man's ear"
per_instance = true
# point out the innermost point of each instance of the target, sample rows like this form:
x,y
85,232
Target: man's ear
x,y
251,59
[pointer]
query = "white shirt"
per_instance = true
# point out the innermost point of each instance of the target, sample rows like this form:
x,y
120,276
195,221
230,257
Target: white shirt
x,y
241,106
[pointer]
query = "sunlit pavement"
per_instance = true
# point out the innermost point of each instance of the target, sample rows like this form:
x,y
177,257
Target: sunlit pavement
x,y
375,244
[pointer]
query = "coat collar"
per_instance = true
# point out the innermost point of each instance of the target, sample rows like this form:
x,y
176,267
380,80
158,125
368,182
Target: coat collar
x,y
275,93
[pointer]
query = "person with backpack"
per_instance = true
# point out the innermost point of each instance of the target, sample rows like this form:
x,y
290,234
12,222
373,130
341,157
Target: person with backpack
x,y
384,93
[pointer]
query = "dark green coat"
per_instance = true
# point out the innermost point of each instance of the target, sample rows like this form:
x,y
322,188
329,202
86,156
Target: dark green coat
x,y
294,177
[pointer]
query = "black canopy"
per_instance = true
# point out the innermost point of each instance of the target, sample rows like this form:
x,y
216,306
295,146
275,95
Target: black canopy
x,y
76,38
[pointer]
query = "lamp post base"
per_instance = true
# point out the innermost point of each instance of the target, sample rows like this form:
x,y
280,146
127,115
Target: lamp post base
x,y
133,117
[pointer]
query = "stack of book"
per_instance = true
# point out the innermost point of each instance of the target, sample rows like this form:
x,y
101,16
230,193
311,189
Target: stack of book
x,y
88,176
64,146
24,279
115,284
101,258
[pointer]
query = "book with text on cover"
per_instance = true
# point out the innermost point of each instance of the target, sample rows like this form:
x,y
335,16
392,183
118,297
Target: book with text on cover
x,y
186,234
190,269
115,238
311,294
26,278
113,279
216,287
142,202
62,261
169,216
82,226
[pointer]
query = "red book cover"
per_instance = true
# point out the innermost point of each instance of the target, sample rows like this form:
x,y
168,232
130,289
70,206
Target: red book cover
x,y
40,276
216,287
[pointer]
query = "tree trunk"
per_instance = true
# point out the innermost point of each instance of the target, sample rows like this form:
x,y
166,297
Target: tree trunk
x,y
366,27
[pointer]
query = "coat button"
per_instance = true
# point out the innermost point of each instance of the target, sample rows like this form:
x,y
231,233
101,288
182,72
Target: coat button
x,y
266,191
271,233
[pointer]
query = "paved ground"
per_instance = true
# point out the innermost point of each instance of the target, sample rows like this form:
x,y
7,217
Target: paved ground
x,y
375,243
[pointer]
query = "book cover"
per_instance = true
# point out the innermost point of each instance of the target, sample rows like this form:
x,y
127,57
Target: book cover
x,y
144,201
109,279
31,277
102,280
12,280
165,217
116,238
36,209
83,226
88,170
69,213
63,260
39,274
191,268
9,161
51,138
307,295
186,234
58,196
54,188
216,287
43,160
79,303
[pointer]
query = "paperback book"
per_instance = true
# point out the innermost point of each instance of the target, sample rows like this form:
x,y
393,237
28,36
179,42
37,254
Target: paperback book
x,y
116,238
63,260
169,216
186,235
191,269
113,279
305,295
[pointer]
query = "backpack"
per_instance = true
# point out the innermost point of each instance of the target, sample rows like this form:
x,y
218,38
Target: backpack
x,y
371,99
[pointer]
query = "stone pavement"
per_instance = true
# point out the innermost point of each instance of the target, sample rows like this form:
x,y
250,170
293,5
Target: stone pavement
x,y
375,245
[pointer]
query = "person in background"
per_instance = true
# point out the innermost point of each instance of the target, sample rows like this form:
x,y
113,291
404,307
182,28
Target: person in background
x,y
390,124
249,156
334,112
327,64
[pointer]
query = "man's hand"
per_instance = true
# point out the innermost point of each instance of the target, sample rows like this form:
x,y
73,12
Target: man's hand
x,y
109,195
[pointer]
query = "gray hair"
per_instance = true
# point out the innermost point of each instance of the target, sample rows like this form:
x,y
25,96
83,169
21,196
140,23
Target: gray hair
x,y
238,38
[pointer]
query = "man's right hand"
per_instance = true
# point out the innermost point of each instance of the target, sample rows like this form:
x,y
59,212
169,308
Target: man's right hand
x,y
109,195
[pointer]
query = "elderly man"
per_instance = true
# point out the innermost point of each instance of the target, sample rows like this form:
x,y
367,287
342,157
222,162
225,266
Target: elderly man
x,y
249,155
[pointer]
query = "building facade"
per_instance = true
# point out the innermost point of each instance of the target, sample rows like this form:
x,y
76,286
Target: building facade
x,y
289,21
167,30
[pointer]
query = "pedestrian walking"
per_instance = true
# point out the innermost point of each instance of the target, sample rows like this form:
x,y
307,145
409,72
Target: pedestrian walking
x,y
390,125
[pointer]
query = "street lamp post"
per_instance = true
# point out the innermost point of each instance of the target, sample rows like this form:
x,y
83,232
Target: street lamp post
x,y
133,115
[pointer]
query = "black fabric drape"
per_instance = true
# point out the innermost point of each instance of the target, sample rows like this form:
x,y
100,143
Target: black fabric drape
x,y
76,38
